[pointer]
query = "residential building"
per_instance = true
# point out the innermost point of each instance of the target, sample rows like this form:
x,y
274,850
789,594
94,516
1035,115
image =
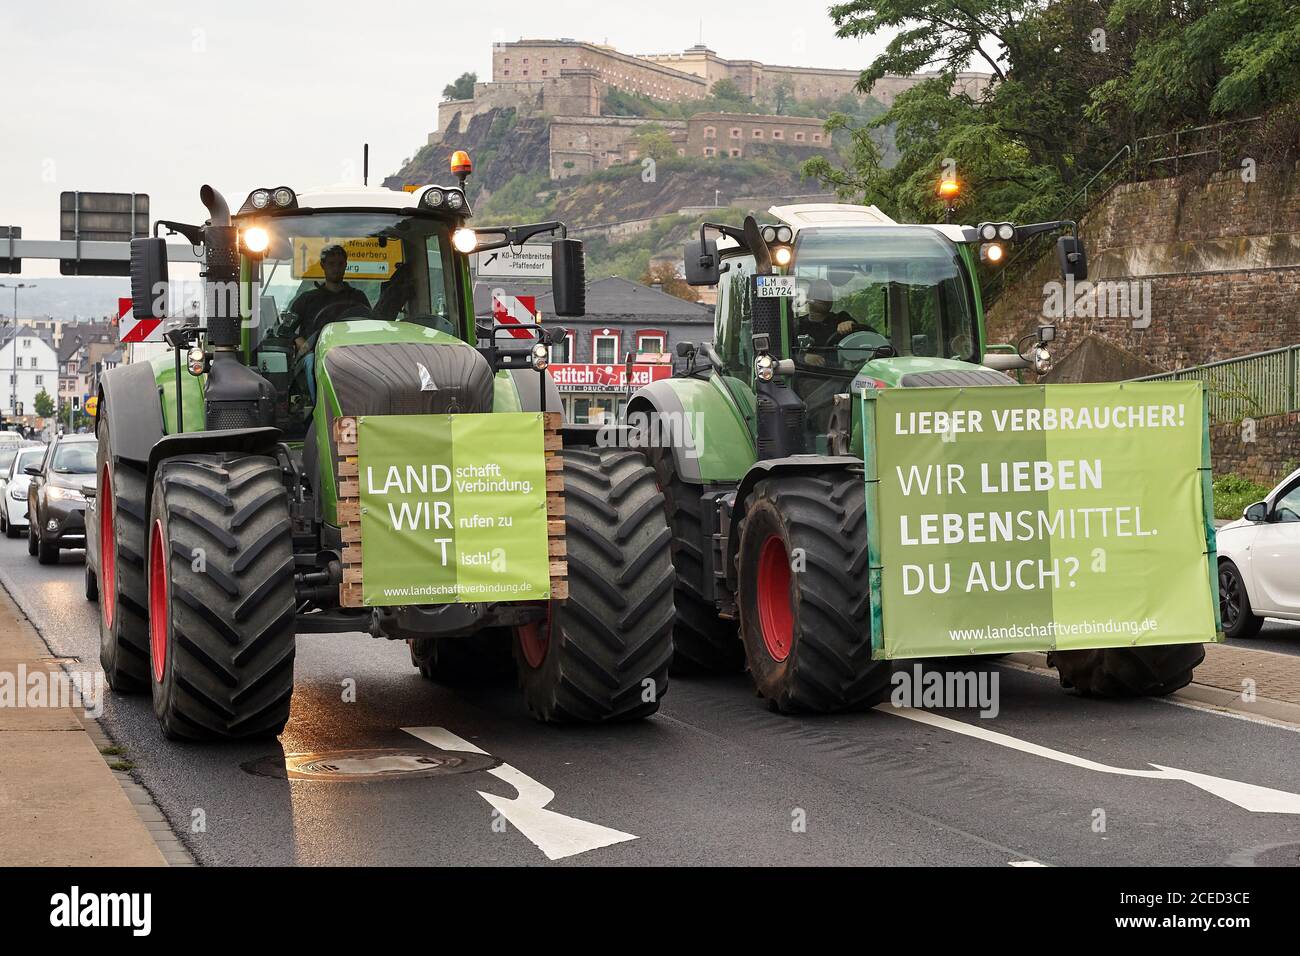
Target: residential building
x,y
28,366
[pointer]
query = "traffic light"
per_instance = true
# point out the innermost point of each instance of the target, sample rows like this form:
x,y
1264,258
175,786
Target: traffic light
x,y
18,409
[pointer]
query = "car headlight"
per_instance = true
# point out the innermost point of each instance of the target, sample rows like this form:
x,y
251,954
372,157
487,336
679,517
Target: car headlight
x,y
65,494
18,494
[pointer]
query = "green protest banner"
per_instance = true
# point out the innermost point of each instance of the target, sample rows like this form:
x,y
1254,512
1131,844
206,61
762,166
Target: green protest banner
x,y
1039,518
453,508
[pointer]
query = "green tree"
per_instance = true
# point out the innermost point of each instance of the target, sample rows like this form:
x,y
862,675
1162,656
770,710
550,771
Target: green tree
x,y
726,94
462,89
654,141
44,404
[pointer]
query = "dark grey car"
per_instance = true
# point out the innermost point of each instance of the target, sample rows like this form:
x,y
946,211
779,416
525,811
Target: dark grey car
x,y
56,505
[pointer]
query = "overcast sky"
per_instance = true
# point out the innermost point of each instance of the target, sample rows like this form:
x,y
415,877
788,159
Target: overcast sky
x,y
160,97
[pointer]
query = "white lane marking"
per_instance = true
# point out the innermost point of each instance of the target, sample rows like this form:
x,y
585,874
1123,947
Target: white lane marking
x,y
1026,863
1208,708
553,833
1246,795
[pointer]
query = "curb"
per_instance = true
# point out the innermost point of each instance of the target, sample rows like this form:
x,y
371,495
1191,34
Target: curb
x,y
1263,708
65,805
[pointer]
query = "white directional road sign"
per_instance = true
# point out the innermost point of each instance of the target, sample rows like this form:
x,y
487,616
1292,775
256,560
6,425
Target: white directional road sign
x,y
531,260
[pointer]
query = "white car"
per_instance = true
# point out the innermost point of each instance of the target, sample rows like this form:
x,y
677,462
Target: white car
x,y
14,457
1259,562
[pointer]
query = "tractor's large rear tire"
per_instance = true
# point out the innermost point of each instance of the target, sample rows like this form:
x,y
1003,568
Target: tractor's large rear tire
x,y
123,591
603,654
221,597
481,657
1127,671
805,596
703,643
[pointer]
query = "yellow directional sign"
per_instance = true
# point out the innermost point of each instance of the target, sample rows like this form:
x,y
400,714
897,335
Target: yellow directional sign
x,y
367,258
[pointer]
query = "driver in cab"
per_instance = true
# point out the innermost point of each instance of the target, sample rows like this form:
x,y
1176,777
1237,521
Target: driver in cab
x,y
324,295
822,327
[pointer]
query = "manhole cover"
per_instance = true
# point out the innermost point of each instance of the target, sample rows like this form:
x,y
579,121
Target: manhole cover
x,y
385,763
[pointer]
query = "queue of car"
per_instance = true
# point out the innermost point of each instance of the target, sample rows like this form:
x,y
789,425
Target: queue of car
x,y
42,491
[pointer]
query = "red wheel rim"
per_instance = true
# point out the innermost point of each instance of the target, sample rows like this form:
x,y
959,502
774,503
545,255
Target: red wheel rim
x,y
535,640
775,617
157,602
107,553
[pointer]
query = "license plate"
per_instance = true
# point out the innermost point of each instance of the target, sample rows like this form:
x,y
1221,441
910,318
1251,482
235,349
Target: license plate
x,y
775,287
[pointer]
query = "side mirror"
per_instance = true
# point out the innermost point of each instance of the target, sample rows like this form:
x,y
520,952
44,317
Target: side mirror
x,y
701,260
149,278
33,470
568,277
1072,257
685,349
1256,512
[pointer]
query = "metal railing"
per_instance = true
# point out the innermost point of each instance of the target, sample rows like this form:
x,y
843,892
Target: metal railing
x,y
1189,144
1249,386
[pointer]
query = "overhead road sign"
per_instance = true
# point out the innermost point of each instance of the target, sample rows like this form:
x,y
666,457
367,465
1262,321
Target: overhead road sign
x,y
9,260
100,217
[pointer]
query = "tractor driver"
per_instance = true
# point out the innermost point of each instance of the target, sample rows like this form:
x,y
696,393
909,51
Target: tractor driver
x,y
332,292
822,327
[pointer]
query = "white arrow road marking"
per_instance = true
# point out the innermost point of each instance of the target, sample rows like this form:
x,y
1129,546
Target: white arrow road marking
x,y
553,833
1246,795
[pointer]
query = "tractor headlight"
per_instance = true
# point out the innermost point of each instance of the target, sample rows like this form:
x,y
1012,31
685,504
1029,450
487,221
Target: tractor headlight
x,y
455,200
781,255
992,253
256,240
283,197
1006,231
465,240
260,199
765,368
1042,360
988,232
196,360
434,198
784,234
541,356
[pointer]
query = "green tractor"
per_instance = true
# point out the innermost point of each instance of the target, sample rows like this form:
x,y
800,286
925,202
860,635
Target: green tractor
x,y
758,444
222,481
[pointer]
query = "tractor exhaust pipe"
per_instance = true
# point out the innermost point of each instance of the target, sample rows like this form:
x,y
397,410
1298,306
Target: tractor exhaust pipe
x,y
221,278
217,206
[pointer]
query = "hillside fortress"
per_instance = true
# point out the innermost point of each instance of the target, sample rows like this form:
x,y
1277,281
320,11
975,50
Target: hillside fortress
x,y
566,80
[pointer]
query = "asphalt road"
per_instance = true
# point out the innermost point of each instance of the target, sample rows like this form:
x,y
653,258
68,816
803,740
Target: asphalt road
x,y
1281,637
715,778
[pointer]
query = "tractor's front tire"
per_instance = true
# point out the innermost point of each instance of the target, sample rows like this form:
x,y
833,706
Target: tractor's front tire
x,y
805,594
1127,671
603,655
221,597
464,660
703,643
123,592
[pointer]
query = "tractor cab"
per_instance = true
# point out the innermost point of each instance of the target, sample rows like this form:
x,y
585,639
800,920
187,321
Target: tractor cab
x,y
831,298
291,275
341,263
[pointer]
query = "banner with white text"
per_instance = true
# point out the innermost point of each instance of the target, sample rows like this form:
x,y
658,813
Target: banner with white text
x,y
1038,518
453,508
